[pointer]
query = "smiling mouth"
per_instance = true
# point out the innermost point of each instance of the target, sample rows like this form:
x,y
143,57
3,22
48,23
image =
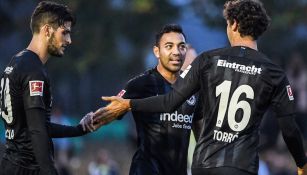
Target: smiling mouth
x,y
176,61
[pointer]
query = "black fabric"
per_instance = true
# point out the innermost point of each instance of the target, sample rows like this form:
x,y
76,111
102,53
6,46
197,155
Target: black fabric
x,y
61,131
26,103
163,138
236,86
8,168
41,142
24,68
220,171
293,139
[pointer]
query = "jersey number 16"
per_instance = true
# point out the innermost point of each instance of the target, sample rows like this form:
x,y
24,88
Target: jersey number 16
x,y
223,90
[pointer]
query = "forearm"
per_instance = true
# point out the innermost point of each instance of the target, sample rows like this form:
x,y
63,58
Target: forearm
x,y
162,103
292,137
41,142
60,131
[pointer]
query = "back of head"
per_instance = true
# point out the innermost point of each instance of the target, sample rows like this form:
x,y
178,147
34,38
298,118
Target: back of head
x,y
167,29
250,15
50,13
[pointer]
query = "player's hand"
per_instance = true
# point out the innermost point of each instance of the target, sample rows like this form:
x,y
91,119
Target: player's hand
x,y
303,170
101,118
116,108
87,122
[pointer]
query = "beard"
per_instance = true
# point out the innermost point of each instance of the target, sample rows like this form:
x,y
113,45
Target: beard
x,y
52,49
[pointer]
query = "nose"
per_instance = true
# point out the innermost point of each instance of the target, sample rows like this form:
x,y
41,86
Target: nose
x,y
68,40
176,50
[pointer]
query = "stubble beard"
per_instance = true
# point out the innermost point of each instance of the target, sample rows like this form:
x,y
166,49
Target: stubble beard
x,y
52,49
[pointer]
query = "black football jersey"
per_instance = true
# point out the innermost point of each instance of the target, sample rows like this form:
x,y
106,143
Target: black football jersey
x,y
24,85
236,86
163,138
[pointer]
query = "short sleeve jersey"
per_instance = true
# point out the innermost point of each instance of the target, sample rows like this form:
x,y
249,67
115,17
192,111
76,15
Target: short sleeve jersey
x,y
236,86
163,138
24,85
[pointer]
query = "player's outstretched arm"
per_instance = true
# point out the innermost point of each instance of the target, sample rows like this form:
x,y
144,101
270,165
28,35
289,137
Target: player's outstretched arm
x,y
61,131
293,140
112,111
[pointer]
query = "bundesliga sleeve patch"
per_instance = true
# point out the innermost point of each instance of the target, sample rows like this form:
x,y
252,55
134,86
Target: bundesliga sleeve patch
x,y
121,93
36,88
290,93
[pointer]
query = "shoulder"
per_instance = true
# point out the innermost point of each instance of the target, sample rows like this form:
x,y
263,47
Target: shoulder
x,y
139,86
27,61
141,79
28,66
214,52
208,55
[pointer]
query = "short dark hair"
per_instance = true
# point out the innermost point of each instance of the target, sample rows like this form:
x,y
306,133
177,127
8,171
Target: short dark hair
x,y
250,15
167,29
51,13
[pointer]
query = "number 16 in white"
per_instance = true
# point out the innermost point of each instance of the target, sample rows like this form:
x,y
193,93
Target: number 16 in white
x,y
224,90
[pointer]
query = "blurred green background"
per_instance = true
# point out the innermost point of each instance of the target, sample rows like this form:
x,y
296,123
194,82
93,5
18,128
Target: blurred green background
x,y
112,42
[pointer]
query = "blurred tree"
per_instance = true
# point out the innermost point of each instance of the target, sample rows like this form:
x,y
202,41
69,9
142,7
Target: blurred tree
x,y
288,30
121,33
108,33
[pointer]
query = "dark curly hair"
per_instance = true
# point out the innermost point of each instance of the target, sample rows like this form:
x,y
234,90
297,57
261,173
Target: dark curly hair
x,y
51,13
168,28
250,15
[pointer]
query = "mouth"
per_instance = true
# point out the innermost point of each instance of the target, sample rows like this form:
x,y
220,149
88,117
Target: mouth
x,y
175,61
63,48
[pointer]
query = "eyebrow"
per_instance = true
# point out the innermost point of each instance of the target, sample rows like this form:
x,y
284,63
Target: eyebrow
x,y
168,43
66,29
173,43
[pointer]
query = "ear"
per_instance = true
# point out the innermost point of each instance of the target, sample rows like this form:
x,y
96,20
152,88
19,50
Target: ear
x,y
47,30
234,26
156,51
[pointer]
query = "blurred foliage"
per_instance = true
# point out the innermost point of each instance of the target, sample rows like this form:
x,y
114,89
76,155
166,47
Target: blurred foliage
x,y
112,38
110,41
287,32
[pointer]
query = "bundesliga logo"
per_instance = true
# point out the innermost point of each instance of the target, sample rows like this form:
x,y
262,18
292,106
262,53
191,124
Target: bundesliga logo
x,y
36,88
290,93
253,70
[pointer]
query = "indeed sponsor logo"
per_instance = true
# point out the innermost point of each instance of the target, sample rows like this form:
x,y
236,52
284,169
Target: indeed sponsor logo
x,y
253,70
175,117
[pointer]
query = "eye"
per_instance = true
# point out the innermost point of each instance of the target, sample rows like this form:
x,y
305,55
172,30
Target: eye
x,y
168,46
182,46
66,32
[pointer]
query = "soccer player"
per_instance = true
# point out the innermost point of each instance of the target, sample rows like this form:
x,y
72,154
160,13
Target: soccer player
x,y
163,138
236,86
26,100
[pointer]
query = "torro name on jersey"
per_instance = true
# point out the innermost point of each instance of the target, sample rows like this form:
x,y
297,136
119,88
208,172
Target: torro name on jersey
x,y
224,136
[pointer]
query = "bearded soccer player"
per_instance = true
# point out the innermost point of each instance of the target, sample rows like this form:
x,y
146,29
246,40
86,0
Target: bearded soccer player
x,y
236,86
26,98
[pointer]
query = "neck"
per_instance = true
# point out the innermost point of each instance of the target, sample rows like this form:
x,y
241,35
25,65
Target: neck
x,y
38,46
169,76
245,41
